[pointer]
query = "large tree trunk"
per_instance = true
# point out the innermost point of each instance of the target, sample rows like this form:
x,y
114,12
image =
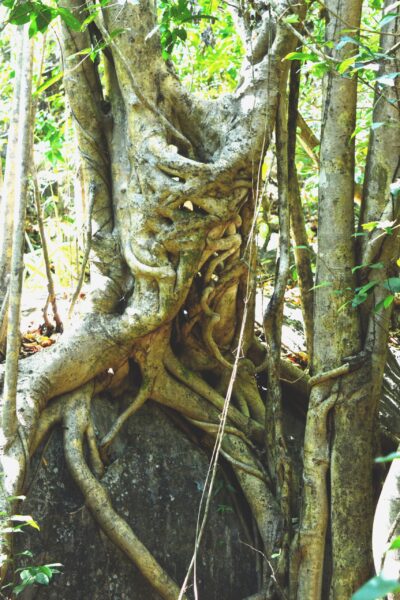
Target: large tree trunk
x,y
170,185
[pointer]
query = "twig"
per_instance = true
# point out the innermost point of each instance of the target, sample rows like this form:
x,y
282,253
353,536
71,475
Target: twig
x,y
50,282
92,194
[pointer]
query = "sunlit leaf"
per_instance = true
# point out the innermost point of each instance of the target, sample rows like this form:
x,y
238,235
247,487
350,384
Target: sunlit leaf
x,y
395,544
385,303
388,457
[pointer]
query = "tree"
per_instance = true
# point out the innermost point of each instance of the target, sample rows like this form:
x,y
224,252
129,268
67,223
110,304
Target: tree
x,y
172,185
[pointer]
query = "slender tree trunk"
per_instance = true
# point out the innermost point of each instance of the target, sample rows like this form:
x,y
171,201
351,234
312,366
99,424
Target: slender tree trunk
x,y
336,336
8,191
22,160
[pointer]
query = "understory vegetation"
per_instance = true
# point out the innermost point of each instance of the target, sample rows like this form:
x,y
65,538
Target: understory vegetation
x,y
200,208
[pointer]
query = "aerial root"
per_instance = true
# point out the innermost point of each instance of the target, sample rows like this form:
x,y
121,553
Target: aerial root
x,y
228,246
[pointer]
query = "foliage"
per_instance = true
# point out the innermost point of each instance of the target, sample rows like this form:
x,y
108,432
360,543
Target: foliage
x,y
29,575
375,588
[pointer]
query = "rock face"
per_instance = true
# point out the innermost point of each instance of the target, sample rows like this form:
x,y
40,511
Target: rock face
x,y
155,481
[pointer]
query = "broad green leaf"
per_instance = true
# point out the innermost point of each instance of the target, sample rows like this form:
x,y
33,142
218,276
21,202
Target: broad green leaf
x,y
46,570
69,19
25,574
42,578
20,588
21,13
395,544
385,303
367,287
376,588
370,226
392,284
344,65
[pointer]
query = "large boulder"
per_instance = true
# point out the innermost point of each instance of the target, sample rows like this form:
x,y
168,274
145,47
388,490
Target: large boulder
x,y
155,481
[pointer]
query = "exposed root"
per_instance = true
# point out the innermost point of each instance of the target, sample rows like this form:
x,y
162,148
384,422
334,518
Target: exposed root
x,y
249,426
213,429
76,420
143,395
247,468
95,458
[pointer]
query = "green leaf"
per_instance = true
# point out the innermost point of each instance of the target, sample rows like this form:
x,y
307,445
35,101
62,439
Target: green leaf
x,y
395,544
69,19
26,519
46,570
321,285
387,458
370,226
21,13
346,40
25,574
377,125
182,34
115,32
26,553
45,15
385,303
20,588
392,284
344,65
359,299
367,287
376,588
292,19
377,265
303,56
42,578
387,19
46,84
